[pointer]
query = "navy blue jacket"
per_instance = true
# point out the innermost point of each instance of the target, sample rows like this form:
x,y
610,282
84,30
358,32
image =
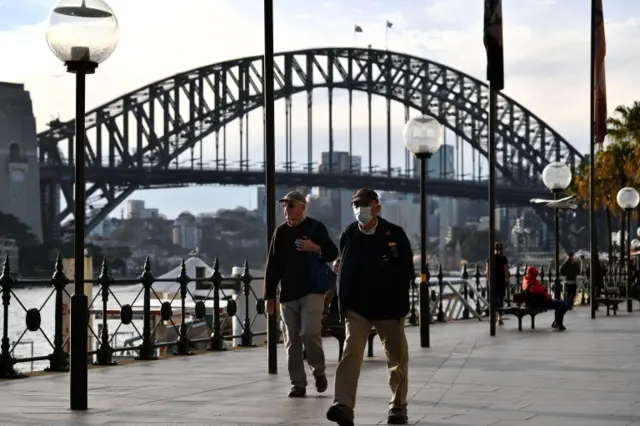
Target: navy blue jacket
x,y
376,271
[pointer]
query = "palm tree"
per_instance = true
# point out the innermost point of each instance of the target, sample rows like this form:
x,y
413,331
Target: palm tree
x,y
625,125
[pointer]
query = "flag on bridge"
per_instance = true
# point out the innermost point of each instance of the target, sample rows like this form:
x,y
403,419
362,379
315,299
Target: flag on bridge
x,y
357,29
389,24
598,70
493,43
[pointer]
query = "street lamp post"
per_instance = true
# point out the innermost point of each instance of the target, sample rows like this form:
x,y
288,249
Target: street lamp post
x,y
82,34
422,136
628,199
557,177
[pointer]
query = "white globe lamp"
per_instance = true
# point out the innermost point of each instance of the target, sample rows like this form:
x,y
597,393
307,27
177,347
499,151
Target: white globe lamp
x,y
556,176
628,198
82,32
423,135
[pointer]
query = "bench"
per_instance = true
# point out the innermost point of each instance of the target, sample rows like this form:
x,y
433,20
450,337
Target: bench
x,y
337,331
611,299
521,312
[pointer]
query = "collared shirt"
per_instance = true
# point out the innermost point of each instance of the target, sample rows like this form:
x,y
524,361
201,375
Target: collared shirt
x,y
370,231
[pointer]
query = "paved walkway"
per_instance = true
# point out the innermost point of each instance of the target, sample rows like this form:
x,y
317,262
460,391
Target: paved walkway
x,y
587,376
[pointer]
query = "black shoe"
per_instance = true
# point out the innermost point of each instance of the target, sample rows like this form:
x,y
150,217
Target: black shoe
x,y
321,383
397,417
297,392
561,328
340,414
554,325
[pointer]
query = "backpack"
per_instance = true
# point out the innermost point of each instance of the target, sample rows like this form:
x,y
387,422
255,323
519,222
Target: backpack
x,y
321,276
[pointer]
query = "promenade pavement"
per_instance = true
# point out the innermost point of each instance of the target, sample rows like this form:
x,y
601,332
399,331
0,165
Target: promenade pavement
x,y
586,376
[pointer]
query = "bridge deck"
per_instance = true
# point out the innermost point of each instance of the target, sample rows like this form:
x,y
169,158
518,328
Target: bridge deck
x,y
589,375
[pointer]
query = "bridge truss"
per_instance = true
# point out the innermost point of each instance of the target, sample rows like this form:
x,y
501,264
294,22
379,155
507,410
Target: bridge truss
x,y
149,128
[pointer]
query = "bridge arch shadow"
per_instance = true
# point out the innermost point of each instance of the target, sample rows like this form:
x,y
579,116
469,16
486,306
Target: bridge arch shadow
x,y
457,100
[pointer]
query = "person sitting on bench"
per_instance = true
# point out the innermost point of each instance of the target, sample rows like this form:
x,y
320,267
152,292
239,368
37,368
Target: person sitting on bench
x,y
538,296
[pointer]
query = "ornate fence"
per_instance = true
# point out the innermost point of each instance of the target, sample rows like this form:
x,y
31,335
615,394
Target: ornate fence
x,y
199,313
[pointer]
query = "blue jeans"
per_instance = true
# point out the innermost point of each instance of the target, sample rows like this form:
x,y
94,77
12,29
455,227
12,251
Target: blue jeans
x,y
560,307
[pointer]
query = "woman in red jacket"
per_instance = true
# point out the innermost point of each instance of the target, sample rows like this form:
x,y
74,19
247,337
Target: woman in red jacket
x,y
537,295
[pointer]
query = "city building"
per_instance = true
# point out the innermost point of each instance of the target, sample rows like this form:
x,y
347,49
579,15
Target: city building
x,y
19,163
136,209
186,232
339,199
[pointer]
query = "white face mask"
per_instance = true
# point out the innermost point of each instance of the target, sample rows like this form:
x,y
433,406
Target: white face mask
x,y
362,214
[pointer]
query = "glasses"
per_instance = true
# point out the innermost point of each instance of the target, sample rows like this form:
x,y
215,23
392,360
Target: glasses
x,y
288,205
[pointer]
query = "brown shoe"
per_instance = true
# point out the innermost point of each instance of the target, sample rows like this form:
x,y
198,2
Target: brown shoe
x,y
297,392
321,383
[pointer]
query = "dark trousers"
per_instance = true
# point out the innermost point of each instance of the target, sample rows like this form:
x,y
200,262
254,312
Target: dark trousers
x,y
571,289
560,307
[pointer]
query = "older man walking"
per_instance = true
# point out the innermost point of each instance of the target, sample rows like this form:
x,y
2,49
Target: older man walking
x,y
373,290
298,255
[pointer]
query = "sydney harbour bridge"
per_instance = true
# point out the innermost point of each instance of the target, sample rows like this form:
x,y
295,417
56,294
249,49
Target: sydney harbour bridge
x,y
136,141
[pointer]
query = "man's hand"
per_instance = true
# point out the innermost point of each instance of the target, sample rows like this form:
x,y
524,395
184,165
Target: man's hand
x,y
269,306
308,246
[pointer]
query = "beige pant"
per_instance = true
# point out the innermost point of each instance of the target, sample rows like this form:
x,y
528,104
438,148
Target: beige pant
x,y
396,350
303,327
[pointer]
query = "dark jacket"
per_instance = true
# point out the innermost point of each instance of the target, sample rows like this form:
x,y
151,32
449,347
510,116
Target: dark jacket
x,y
289,267
375,271
570,270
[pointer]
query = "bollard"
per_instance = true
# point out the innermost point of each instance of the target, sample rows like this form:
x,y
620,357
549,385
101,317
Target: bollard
x,y
478,291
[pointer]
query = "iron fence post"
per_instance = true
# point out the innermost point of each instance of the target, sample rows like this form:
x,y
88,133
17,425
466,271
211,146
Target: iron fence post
x,y
147,347
184,345
465,292
6,360
441,316
217,341
479,291
247,334
58,358
105,353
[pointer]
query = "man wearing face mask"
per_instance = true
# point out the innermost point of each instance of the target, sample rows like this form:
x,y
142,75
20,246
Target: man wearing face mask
x,y
296,243
373,291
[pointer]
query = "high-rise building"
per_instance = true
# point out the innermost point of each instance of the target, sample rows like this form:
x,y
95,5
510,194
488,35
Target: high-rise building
x,y
339,198
19,165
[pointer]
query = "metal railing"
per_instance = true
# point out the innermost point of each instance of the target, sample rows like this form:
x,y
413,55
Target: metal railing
x,y
180,321
192,311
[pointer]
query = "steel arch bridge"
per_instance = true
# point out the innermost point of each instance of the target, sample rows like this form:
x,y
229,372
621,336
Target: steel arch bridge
x,y
149,128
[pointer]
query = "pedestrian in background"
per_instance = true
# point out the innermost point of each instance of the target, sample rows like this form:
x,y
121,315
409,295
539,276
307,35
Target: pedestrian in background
x,y
373,291
297,261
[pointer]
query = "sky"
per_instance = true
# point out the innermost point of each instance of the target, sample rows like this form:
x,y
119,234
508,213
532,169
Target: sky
x,y
546,57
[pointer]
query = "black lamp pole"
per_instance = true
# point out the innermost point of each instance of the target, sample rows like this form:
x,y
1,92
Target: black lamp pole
x,y
556,282
270,169
79,300
425,309
628,250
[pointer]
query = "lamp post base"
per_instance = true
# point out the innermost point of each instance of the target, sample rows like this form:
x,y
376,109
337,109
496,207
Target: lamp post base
x,y
78,360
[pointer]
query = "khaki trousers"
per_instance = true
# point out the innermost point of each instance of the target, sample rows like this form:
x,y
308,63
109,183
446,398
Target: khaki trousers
x,y
303,326
396,350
